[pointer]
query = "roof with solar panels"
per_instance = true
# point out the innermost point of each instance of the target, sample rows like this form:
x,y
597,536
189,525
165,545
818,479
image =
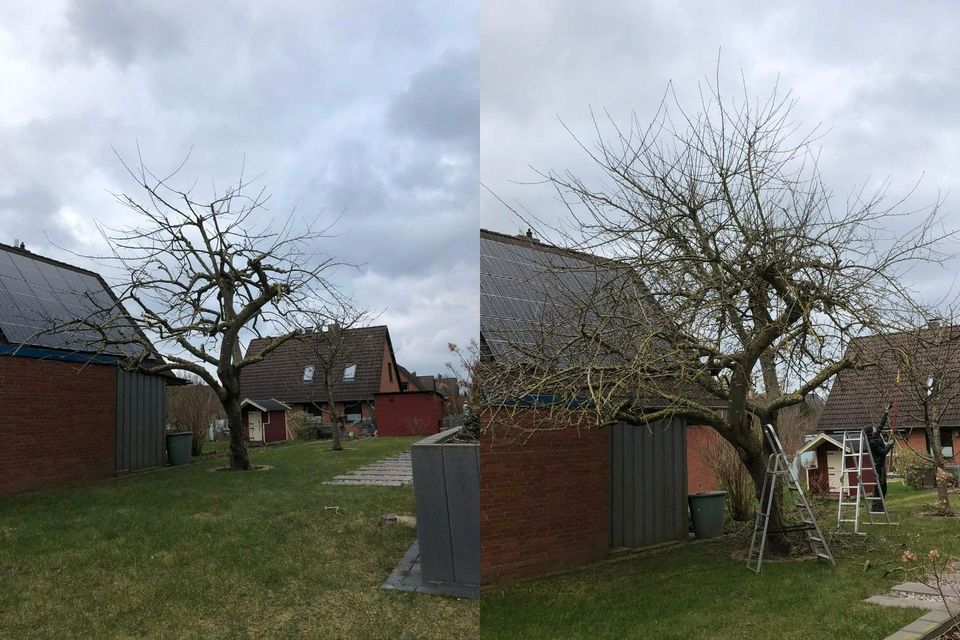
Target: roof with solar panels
x,y
39,299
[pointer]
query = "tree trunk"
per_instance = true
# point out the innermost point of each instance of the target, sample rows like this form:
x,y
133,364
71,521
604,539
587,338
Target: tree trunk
x,y
777,542
334,421
939,473
239,461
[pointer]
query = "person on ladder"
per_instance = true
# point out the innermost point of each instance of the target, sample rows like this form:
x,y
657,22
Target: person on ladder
x,y
879,448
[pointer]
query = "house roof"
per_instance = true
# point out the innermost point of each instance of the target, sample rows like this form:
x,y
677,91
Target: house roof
x,y
267,404
411,378
38,294
821,439
526,285
445,386
859,397
281,373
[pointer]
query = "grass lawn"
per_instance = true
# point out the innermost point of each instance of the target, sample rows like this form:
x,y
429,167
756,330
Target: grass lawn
x,y
187,553
702,591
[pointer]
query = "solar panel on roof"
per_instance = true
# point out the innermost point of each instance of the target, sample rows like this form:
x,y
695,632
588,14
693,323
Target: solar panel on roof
x,y
36,295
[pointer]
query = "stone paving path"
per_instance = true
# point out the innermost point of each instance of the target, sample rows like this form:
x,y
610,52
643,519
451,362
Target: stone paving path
x,y
390,472
919,596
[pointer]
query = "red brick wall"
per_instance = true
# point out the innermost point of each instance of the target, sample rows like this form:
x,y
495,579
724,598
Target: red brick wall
x,y
408,414
700,477
59,423
543,502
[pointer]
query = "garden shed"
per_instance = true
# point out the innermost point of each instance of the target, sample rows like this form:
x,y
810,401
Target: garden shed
x,y
553,498
71,414
264,420
408,413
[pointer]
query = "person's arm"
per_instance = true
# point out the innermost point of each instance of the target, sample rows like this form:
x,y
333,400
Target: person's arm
x,y
883,418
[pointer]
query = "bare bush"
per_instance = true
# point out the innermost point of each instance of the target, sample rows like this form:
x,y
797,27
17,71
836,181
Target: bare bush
x,y
732,476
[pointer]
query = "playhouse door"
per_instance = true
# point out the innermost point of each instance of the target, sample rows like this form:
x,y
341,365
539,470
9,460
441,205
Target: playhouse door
x,y
256,426
834,462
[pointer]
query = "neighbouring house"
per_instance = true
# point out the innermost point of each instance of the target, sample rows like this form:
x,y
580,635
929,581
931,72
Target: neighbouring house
x,y
858,398
408,380
556,498
447,386
360,362
71,415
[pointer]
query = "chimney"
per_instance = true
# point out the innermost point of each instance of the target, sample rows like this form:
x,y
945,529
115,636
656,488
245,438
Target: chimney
x,y
933,323
528,236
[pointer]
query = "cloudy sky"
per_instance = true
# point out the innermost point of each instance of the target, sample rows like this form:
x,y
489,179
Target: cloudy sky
x,y
367,110
883,78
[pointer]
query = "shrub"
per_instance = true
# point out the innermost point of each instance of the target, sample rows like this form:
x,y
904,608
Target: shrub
x,y
302,424
914,468
732,476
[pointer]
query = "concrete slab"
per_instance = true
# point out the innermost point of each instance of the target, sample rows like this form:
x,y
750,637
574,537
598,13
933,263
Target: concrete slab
x,y
408,577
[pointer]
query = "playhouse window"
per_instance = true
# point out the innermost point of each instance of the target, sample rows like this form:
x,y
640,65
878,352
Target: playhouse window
x,y
350,372
808,459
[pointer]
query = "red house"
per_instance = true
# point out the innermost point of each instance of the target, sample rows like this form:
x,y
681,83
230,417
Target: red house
x,y
360,363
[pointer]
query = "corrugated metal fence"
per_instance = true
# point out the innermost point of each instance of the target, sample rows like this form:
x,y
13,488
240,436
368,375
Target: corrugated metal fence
x,y
648,484
140,421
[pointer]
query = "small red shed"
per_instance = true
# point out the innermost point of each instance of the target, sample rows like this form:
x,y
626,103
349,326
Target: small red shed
x,y
823,463
264,420
406,413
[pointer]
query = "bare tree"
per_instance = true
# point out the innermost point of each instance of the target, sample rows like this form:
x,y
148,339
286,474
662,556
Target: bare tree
x,y
193,408
925,363
465,368
727,287
334,351
198,276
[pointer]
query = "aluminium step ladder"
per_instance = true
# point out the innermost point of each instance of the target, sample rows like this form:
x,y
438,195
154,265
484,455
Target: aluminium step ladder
x,y
855,495
778,469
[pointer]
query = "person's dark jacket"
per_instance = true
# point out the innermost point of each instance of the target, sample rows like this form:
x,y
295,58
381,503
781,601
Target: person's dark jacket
x,y
878,448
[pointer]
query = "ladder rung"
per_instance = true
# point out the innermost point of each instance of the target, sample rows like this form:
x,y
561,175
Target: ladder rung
x,y
824,556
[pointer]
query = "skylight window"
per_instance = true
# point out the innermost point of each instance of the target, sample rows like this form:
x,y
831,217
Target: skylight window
x,y
350,372
308,373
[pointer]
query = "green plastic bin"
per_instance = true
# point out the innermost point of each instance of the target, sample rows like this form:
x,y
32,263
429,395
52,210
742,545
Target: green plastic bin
x,y
178,447
707,510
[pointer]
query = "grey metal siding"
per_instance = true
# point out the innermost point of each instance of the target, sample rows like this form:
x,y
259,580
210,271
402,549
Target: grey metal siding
x,y
648,484
141,407
446,486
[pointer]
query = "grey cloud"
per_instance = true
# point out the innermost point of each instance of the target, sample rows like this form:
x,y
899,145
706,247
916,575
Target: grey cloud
x,y
125,29
882,82
302,92
441,102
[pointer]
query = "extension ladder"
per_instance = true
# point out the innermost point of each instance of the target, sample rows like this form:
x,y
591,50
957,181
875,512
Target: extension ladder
x,y
778,469
855,495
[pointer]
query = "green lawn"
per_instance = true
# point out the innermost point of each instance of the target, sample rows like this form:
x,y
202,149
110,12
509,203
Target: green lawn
x,y
187,553
703,590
